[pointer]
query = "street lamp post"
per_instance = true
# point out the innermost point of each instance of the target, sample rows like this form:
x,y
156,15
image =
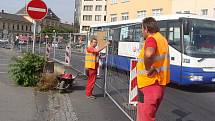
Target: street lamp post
x,y
54,42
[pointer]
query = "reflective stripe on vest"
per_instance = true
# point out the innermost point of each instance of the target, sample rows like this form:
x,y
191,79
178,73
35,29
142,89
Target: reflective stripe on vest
x,y
163,68
156,58
92,55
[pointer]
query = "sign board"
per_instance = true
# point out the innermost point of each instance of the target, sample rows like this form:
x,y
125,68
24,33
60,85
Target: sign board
x,y
101,35
37,9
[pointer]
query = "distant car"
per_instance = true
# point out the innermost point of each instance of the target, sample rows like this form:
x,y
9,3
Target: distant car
x,y
22,42
8,46
3,40
54,44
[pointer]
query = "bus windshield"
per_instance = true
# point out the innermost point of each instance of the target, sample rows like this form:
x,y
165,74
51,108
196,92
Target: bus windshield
x,y
201,41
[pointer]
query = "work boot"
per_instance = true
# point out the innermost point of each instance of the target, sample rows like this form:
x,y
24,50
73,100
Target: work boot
x,y
91,97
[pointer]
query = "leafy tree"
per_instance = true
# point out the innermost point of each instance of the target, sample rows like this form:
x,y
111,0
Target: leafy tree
x,y
58,30
27,70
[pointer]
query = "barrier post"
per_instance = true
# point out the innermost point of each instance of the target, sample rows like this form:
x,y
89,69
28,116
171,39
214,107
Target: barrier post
x,y
133,82
48,47
68,55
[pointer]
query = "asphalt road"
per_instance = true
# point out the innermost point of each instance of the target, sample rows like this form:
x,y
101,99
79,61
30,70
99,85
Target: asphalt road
x,y
191,103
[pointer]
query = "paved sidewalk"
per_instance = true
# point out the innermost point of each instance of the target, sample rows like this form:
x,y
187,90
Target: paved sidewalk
x,y
25,104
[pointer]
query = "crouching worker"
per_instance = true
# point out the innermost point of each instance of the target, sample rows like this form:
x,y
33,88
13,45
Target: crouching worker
x,y
91,65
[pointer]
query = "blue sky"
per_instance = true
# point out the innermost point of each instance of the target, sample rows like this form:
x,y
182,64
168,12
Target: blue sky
x,y
64,9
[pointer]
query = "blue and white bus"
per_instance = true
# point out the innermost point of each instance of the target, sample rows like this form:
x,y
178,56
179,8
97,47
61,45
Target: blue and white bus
x,y
192,60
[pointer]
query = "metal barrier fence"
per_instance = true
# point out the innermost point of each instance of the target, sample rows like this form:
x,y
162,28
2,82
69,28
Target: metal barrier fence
x,y
114,82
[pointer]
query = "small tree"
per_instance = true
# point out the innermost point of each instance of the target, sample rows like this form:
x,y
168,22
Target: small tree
x,y
27,70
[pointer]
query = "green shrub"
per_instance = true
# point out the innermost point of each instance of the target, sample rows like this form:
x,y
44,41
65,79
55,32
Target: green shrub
x,y
27,69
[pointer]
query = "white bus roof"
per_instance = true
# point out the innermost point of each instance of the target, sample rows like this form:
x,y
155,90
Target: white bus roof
x,y
158,18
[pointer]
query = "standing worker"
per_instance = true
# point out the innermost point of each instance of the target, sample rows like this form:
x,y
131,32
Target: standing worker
x,y
91,64
153,70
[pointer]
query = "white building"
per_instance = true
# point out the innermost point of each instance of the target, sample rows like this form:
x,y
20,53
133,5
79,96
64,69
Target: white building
x,y
198,7
89,12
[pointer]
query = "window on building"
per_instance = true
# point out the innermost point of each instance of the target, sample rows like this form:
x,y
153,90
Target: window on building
x,y
124,1
98,17
125,16
178,12
157,12
26,28
187,12
113,17
87,17
8,26
3,26
204,12
88,7
114,1
98,8
141,14
85,28
22,27
17,26
13,27
214,12
105,7
104,18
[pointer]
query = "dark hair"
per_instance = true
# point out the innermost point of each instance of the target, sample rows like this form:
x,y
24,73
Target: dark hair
x,y
150,24
93,38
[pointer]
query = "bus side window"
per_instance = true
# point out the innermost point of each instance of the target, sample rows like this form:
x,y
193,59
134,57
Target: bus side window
x,y
138,33
174,37
127,33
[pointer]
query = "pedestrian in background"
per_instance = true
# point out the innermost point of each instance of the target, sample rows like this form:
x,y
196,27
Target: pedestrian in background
x,y
153,70
91,65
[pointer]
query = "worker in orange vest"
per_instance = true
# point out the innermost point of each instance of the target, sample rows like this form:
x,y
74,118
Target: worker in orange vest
x,y
153,72
91,64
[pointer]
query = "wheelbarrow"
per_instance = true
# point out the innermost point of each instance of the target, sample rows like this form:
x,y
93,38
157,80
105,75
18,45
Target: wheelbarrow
x,y
65,82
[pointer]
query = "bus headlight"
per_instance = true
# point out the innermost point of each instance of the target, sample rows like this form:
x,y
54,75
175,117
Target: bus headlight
x,y
196,78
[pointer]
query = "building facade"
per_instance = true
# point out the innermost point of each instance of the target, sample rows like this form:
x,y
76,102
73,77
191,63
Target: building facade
x,y
13,24
141,8
198,7
88,12
118,10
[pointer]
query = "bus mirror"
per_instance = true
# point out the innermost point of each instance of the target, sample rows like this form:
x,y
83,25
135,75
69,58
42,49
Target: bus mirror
x,y
186,27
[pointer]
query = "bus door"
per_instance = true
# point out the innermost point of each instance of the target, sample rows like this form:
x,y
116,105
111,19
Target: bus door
x,y
175,49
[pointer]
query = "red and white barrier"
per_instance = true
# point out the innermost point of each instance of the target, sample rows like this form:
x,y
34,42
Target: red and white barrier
x,y
68,55
133,82
48,48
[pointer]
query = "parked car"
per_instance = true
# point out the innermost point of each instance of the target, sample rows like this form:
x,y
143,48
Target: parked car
x,y
23,42
54,44
3,40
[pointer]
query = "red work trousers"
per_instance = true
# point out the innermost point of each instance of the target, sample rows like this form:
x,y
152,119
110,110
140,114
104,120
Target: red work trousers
x,y
153,95
92,74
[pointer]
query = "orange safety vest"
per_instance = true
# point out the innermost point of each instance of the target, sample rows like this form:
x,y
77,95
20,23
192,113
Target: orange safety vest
x,y
161,63
90,60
